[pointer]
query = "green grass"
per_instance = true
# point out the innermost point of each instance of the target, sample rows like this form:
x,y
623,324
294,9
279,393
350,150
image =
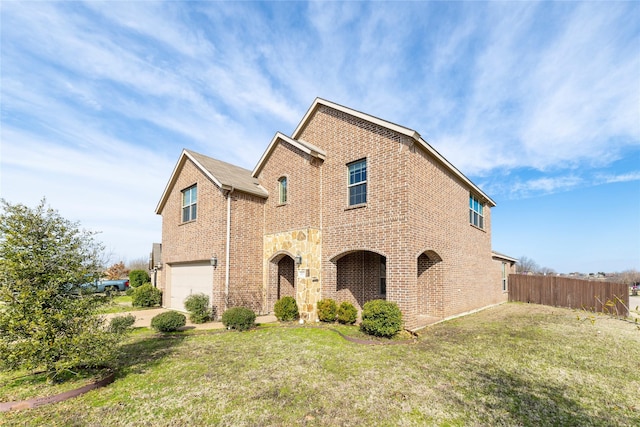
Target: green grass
x,y
121,304
515,364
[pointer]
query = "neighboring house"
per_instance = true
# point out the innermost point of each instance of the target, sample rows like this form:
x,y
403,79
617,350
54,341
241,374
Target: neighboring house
x,y
349,207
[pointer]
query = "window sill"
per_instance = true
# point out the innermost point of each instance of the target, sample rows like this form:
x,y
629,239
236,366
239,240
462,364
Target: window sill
x,y
188,222
477,228
361,205
282,204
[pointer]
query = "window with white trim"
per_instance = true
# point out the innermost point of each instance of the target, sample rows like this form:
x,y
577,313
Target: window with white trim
x,y
357,182
476,216
282,190
189,203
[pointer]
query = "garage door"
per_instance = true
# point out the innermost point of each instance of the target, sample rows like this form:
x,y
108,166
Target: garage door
x,y
187,279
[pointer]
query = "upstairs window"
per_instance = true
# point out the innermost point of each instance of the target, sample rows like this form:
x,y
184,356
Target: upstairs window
x,y
189,203
476,217
358,182
282,190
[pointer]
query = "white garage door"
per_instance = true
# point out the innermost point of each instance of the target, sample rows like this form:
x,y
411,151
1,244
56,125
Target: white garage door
x,y
187,279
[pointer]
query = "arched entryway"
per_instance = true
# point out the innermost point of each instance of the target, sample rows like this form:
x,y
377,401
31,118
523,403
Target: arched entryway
x,y
430,285
360,277
281,279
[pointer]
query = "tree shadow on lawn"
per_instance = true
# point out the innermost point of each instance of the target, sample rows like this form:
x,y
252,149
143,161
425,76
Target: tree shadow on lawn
x,y
498,397
135,357
138,356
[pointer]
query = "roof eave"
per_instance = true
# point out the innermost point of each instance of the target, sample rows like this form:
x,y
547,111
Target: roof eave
x,y
174,176
376,120
397,128
424,144
301,145
495,254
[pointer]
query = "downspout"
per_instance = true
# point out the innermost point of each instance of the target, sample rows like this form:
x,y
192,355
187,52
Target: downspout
x,y
228,250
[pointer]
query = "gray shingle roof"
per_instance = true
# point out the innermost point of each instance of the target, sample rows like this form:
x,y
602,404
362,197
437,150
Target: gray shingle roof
x,y
229,175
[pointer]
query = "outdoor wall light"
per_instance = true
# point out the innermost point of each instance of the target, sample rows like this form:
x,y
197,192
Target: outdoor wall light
x,y
214,261
298,259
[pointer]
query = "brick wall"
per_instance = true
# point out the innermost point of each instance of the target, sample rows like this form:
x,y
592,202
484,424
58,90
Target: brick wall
x,y
415,206
196,240
302,207
378,228
358,278
206,237
439,218
245,278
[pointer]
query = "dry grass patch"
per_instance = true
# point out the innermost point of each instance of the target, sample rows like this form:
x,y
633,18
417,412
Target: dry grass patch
x,y
512,365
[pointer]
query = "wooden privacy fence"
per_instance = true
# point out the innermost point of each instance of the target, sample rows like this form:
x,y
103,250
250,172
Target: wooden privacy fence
x,y
557,291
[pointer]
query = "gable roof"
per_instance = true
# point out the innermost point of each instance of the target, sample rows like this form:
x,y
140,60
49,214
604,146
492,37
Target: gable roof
x,y
304,146
394,127
224,175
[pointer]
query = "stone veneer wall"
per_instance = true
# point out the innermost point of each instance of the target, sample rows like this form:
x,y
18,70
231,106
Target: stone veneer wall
x,y
307,243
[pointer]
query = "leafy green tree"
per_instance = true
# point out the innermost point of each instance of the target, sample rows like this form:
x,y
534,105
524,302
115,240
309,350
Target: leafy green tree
x,y
138,278
46,319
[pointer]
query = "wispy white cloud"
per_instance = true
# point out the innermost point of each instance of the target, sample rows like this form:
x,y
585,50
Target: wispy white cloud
x,y
625,177
530,98
551,101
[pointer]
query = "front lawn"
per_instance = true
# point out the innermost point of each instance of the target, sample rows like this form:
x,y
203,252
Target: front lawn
x,y
121,304
515,364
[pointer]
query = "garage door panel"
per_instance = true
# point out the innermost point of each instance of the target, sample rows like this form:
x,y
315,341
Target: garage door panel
x,y
188,279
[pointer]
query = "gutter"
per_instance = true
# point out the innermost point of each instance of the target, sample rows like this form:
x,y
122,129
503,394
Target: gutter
x,y
227,249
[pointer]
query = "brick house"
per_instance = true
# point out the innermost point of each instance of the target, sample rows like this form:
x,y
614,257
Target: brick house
x,y
349,207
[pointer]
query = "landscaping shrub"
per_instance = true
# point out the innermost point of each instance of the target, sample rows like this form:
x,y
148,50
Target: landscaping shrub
x,y
138,278
198,307
146,296
347,313
239,318
381,318
168,321
120,324
286,309
129,292
327,310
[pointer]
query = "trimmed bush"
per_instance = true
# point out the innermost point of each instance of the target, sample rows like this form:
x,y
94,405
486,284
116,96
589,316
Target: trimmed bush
x,y
169,321
286,309
239,318
138,278
198,307
327,310
146,296
129,292
121,324
347,313
381,318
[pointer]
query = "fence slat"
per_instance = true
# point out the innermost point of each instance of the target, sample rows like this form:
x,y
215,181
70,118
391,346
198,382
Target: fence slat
x,y
607,297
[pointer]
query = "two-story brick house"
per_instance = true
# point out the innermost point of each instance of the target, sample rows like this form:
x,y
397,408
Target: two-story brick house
x,y
350,207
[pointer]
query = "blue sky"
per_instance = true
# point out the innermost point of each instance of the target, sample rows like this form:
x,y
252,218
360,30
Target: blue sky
x,y
537,102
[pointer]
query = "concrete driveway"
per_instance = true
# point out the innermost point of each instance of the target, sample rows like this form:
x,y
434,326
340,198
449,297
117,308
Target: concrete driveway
x,y
143,319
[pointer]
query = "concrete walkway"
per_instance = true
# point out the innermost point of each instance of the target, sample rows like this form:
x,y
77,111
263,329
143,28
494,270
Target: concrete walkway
x,y
143,319
634,304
